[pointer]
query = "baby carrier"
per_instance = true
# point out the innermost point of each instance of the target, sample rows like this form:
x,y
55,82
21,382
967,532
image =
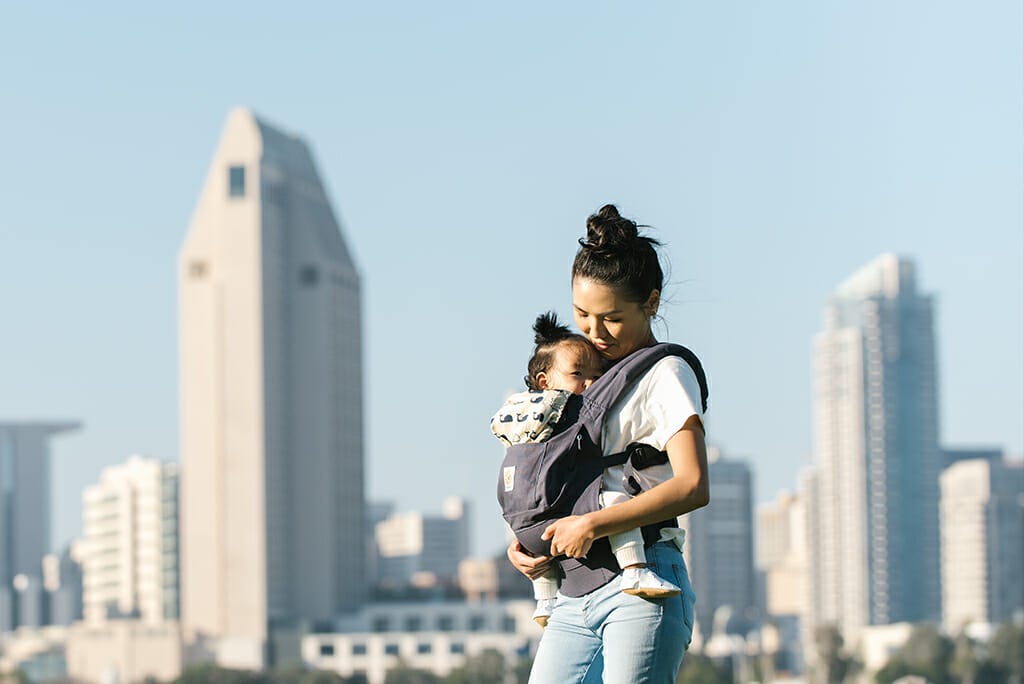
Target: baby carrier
x,y
541,482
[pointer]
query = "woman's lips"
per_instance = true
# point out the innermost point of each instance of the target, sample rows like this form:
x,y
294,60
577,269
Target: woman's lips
x,y
601,346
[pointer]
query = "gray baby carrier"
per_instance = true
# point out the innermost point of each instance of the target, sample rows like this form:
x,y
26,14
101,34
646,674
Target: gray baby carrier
x,y
542,482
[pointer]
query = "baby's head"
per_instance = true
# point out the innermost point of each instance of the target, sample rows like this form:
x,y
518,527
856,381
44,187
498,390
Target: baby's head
x,y
562,360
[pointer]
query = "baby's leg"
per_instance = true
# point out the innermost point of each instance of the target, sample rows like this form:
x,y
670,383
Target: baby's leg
x,y
546,586
545,589
628,548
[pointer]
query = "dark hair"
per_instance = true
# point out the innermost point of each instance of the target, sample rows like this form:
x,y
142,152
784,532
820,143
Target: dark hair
x,y
616,254
548,334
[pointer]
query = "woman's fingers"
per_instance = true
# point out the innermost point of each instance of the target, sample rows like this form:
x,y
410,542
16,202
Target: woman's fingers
x,y
531,566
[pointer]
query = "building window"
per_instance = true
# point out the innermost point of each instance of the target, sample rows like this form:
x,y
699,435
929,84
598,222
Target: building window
x,y
476,623
446,623
391,649
308,276
326,648
457,647
508,623
380,624
236,181
413,623
423,649
358,649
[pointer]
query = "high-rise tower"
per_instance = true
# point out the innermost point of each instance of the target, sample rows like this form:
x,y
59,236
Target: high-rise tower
x,y
271,399
876,504
719,547
24,509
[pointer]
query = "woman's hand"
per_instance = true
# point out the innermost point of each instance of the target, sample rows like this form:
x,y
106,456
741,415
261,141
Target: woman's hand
x,y
531,566
572,536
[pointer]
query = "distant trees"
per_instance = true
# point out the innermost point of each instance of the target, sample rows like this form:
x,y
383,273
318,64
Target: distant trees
x,y
211,674
927,654
404,674
487,667
834,663
700,669
942,660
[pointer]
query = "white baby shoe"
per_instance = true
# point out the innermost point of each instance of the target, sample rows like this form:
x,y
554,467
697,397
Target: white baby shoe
x,y
645,583
543,612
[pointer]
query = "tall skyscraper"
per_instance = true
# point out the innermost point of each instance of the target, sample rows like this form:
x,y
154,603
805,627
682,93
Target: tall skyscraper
x,y
982,542
130,553
24,508
719,547
271,399
876,509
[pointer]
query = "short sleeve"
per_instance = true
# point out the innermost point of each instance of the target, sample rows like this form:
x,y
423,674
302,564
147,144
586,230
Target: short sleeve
x,y
673,396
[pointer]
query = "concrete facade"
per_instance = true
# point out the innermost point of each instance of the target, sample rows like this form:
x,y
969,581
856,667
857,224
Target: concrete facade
x,y
124,651
418,548
130,554
875,510
982,515
271,399
437,637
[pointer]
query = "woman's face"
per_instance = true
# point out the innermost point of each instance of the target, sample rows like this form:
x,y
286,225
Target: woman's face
x,y
616,327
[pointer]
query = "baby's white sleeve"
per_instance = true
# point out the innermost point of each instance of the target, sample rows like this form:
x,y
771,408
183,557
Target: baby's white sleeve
x,y
673,396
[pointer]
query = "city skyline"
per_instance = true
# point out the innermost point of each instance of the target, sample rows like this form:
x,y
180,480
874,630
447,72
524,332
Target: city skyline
x,y
772,163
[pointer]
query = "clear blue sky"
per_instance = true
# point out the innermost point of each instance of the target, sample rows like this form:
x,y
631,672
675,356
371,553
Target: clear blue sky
x,y
775,147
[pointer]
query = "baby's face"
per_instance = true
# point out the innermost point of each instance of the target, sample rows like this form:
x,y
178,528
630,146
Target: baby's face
x,y
573,369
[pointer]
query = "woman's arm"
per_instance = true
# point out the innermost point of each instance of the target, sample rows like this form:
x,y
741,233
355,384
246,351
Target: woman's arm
x,y
685,491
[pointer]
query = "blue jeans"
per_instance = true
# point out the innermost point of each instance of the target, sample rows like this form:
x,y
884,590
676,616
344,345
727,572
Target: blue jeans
x,y
618,638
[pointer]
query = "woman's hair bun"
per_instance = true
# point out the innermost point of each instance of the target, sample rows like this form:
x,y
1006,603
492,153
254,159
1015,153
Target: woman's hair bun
x,y
607,230
547,329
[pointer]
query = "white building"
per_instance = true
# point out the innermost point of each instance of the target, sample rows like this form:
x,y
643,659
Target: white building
x,y
982,514
416,548
876,554
130,548
877,645
271,400
124,651
25,507
719,549
782,554
435,636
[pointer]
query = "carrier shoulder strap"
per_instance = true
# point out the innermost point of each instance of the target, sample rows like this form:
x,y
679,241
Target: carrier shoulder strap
x,y
610,387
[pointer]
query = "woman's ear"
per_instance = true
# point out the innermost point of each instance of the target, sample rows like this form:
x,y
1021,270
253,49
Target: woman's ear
x,y
651,305
541,380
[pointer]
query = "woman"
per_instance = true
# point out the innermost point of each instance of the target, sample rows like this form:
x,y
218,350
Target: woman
x,y
605,634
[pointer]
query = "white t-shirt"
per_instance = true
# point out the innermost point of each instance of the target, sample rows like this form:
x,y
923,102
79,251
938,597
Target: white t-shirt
x,y
651,412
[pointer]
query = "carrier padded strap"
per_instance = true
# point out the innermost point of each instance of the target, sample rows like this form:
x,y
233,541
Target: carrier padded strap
x,y
610,387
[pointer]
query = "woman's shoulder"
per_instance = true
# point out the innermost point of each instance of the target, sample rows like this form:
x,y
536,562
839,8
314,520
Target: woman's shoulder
x,y
670,367
671,379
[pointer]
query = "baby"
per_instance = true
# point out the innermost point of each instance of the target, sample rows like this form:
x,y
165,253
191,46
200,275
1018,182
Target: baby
x,y
564,363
